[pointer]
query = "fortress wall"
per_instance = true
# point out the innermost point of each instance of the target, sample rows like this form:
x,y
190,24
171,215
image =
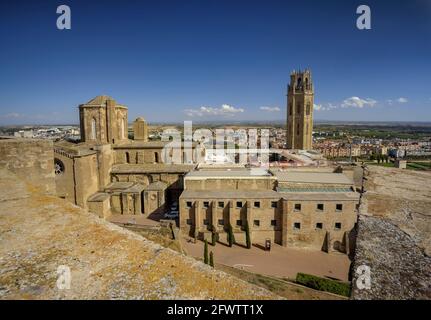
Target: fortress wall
x,y
32,159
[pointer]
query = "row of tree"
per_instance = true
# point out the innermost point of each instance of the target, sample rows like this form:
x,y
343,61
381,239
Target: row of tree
x,y
230,235
209,261
379,157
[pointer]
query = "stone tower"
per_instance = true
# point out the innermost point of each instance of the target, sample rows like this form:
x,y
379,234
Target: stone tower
x,y
140,130
102,120
300,101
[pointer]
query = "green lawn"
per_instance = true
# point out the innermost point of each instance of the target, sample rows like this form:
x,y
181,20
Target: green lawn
x,y
382,164
419,165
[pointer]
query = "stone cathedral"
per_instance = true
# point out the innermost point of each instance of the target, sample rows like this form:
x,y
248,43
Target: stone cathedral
x,y
110,174
300,101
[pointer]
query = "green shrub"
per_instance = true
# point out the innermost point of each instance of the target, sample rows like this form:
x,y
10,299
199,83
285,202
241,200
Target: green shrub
x,y
323,284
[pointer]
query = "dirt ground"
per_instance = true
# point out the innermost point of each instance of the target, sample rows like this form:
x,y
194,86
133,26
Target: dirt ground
x,y
403,196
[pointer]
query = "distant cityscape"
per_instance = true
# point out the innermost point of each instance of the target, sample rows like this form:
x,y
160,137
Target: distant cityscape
x,y
335,141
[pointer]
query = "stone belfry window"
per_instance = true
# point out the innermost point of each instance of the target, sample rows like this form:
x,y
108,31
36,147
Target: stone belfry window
x,y
93,129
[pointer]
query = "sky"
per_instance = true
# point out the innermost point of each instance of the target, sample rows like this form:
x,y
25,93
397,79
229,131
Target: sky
x,y
214,60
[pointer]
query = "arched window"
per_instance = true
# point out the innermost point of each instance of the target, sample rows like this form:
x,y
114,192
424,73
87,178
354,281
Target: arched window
x,y
308,108
290,109
156,157
306,83
93,129
299,82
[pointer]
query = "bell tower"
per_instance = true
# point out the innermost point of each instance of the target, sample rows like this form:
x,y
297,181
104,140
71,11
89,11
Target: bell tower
x,y
300,102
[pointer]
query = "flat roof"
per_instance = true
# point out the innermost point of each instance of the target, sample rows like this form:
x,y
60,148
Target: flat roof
x,y
313,177
227,194
98,197
152,168
124,187
228,174
320,196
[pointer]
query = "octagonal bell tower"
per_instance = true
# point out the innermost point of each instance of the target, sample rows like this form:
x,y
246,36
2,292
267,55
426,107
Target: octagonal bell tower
x,y
300,101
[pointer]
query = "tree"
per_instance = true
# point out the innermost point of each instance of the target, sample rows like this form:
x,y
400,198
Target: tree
x,y
211,259
338,169
230,236
247,235
206,252
214,236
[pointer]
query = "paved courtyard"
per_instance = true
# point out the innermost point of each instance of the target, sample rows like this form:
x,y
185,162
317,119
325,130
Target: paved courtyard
x,y
280,262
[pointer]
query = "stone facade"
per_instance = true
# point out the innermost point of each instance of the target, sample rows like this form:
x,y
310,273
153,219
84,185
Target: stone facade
x,y
140,130
110,174
300,102
102,120
304,212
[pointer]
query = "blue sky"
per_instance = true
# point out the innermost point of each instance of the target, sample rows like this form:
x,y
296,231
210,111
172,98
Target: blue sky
x,y
215,60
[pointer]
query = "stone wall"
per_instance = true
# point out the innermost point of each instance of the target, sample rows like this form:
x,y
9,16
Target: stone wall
x,y
399,268
42,232
31,159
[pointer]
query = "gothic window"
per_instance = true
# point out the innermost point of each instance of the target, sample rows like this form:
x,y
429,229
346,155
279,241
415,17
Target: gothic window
x,y
297,129
290,109
93,129
306,83
308,108
299,82
58,167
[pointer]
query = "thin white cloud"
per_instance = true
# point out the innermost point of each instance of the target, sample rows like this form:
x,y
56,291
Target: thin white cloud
x,y
11,115
356,102
402,100
270,109
325,107
224,110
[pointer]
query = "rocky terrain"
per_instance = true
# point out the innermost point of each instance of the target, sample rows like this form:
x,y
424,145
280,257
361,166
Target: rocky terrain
x,y
404,197
394,232
39,233
399,268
